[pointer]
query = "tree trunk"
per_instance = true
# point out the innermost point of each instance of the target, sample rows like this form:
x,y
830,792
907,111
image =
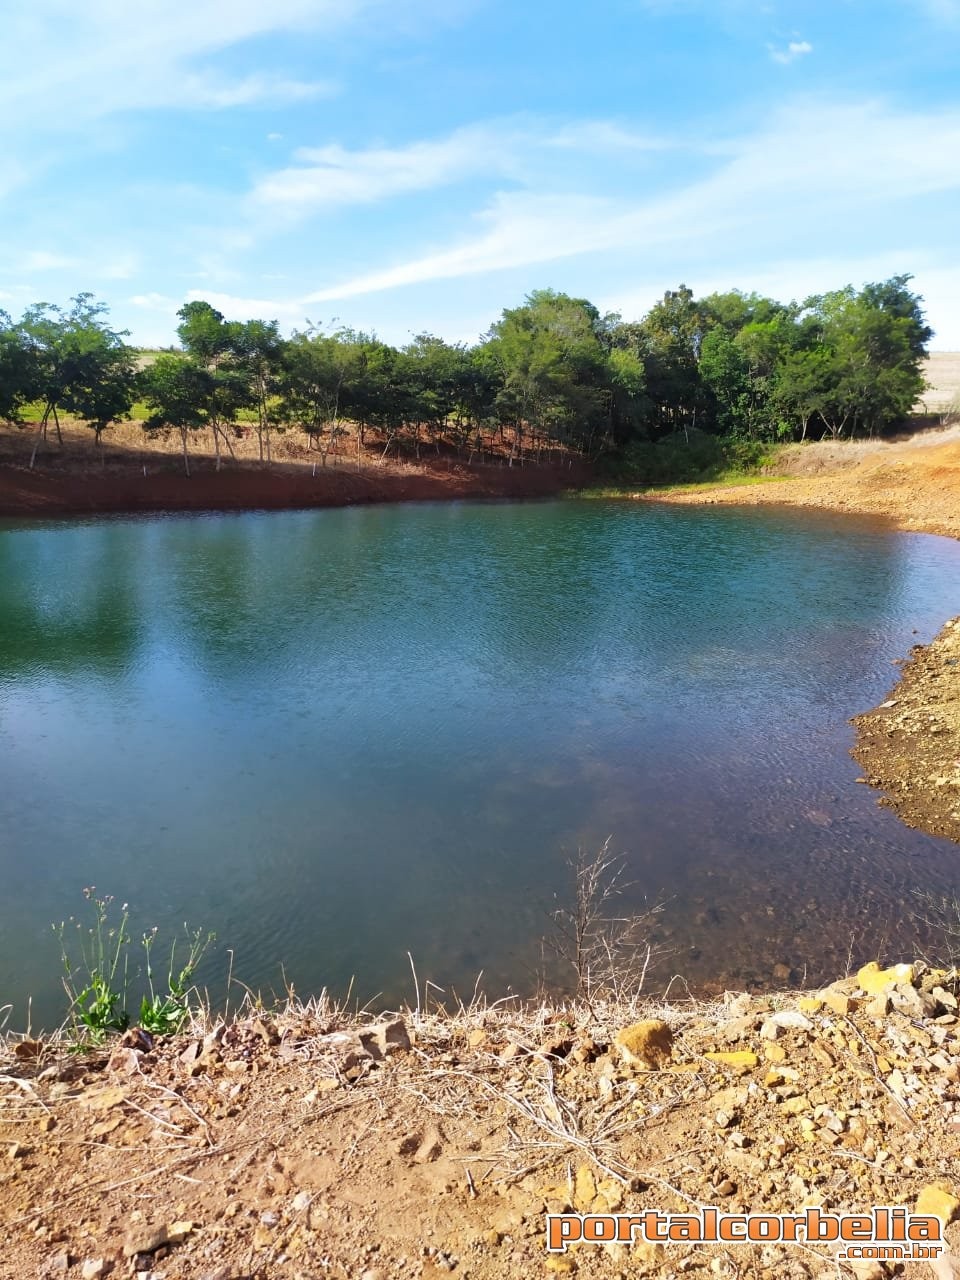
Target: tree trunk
x,y
186,460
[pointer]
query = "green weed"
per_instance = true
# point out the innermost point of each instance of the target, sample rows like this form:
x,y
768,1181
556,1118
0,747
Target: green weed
x,y
96,976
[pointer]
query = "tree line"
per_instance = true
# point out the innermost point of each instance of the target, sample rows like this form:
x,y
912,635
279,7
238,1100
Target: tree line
x,y
553,374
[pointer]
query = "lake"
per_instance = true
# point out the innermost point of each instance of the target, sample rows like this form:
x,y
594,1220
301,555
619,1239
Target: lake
x,y
339,737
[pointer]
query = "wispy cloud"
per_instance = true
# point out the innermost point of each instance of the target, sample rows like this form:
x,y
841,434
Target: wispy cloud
x,y
44,260
863,155
330,177
795,49
107,56
946,12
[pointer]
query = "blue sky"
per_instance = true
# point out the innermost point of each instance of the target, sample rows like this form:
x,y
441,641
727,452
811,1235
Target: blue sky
x,y
417,165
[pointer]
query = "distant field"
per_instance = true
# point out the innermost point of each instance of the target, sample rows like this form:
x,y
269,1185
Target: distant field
x,y
943,373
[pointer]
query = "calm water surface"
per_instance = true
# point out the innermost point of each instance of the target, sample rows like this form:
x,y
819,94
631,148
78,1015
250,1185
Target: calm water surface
x,y
335,737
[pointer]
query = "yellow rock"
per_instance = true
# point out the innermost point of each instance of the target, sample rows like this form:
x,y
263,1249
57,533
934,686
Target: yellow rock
x,y
809,1004
872,979
584,1189
609,1197
646,1045
937,1202
647,1254
560,1265
839,1003
739,1059
774,1052
795,1106
883,1066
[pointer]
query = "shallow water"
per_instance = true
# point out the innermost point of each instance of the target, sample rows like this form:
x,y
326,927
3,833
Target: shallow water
x,y
337,737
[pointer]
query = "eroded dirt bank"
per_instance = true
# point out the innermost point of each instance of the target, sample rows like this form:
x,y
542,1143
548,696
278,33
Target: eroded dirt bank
x,y
305,1145
49,492
909,746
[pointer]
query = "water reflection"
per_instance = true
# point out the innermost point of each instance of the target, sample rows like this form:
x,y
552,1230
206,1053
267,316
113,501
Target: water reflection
x,y
338,736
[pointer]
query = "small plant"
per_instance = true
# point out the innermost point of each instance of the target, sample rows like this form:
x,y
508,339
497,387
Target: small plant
x,y
164,1015
608,953
96,973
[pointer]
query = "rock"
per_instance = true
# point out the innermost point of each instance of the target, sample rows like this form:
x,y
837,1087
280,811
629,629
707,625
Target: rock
x,y
59,1263
422,1147
46,1124
17,1151
27,1050
796,1106
741,1060
937,1202
392,1036
263,1237
177,1232
912,1003
810,1004
786,1019
645,1045
584,1189
95,1269
103,1099
878,1007
873,980
124,1060
477,1038
560,1265
431,1145
144,1238
725,1187
840,1003
781,972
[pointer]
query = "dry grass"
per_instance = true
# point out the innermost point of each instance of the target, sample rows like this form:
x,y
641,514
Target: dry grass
x,y
942,371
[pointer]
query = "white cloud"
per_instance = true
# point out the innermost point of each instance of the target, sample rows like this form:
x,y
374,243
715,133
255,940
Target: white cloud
x,y
325,178
795,49
861,156
207,91
105,56
45,260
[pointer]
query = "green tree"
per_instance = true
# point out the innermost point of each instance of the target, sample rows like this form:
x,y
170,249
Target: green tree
x,y
257,350
211,344
19,384
78,364
182,395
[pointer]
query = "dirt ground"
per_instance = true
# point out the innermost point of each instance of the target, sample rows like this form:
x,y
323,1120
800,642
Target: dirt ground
x,y
309,1145
910,745
913,483
136,473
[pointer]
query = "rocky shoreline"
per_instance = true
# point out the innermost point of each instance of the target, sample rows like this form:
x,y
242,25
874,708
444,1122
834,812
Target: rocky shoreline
x,y
909,746
309,1144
